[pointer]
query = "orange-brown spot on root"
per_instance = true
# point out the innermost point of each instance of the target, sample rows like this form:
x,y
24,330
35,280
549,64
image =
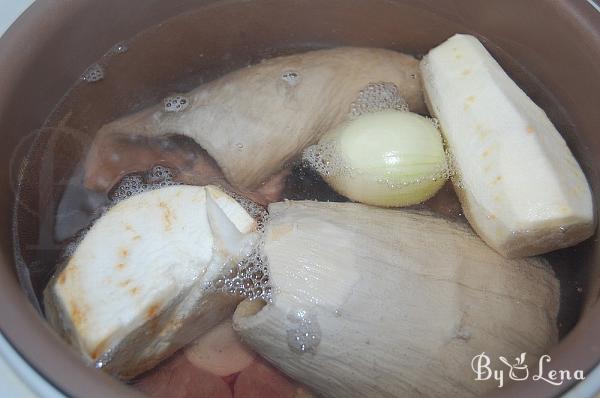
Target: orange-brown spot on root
x,y
67,272
134,291
99,349
497,180
152,311
530,130
492,216
466,72
121,266
168,216
77,314
130,228
125,283
123,252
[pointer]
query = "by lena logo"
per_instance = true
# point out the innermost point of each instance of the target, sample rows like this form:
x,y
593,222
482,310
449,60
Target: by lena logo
x,y
519,371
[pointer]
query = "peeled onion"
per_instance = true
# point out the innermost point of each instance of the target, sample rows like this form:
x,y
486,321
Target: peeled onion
x,y
388,159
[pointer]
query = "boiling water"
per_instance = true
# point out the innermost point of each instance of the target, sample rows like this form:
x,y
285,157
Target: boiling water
x,y
55,209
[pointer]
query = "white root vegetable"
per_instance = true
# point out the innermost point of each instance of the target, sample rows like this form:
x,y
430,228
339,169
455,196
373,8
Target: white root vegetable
x,y
136,288
220,351
372,302
254,120
388,158
519,184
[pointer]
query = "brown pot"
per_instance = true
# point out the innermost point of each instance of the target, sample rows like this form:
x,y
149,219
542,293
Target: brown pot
x,y
550,47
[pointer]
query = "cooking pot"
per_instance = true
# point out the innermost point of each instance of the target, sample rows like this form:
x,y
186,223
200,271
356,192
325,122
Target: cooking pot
x,y
550,47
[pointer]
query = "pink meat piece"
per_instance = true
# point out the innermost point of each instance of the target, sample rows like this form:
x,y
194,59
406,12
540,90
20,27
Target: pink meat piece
x,y
445,203
179,378
261,380
119,157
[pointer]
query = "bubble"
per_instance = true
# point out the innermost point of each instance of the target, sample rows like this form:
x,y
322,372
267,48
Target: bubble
x,y
256,211
177,103
248,278
129,186
135,184
377,97
451,169
219,283
434,121
564,229
119,48
160,174
93,74
291,77
69,250
304,333
326,160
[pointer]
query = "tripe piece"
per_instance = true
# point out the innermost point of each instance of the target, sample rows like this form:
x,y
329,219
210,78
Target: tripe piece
x,y
255,120
137,288
371,302
520,186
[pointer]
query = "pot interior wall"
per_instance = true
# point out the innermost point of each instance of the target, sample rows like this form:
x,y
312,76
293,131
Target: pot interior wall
x,y
40,61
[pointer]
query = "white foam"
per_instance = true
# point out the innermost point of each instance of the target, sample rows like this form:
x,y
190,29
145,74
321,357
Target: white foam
x,y
135,184
119,48
249,278
377,97
292,78
93,74
176,103
325,159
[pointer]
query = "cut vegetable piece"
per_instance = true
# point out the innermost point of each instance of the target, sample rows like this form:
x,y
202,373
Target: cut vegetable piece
x,y
220,351
372,302
261,380
387,159
137,288
519,184
253,121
